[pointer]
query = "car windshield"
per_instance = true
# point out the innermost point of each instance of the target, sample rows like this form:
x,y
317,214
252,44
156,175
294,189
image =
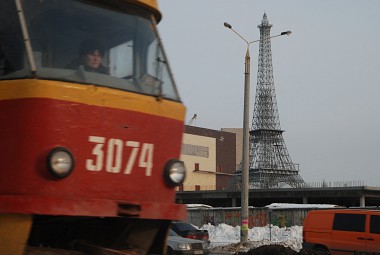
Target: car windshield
x,y
172,233
75,41
185,227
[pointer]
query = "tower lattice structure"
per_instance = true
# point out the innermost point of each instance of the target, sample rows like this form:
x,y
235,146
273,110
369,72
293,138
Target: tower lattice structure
x,y
270,163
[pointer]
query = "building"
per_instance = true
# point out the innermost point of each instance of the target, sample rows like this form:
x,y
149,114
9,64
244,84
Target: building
x,y
210,158
238,145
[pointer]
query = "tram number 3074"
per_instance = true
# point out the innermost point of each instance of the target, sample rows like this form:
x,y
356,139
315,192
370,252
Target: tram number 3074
x,y
109,155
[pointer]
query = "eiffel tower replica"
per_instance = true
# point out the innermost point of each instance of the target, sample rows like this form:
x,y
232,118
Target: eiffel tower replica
x,y
270,164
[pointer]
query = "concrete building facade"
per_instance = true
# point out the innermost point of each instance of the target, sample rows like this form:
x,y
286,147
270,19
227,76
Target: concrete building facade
x,y
210,158
239,143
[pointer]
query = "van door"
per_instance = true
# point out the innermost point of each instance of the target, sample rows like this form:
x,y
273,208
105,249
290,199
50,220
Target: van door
x,y
348,233
373,237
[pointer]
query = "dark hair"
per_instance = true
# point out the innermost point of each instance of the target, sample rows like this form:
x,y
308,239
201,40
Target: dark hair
x,y
90,46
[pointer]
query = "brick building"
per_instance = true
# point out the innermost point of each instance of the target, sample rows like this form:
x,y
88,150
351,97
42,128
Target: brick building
x,y
210,158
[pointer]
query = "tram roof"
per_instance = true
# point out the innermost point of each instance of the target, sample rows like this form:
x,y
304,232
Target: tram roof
x,y
150,4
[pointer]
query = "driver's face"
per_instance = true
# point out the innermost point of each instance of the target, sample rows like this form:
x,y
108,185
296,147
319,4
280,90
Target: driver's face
x,y
93,60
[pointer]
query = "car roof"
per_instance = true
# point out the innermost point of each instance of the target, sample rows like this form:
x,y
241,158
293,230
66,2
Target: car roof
x,y
184,226
180,239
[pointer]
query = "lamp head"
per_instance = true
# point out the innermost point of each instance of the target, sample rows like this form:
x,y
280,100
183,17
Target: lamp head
x,y
286,32
227,25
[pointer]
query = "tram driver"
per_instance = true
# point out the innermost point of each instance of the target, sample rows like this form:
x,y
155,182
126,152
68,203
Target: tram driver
x,y
4,64
91,53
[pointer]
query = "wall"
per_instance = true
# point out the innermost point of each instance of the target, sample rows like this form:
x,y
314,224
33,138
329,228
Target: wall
x,y
200,150
216,170
239,143
258,217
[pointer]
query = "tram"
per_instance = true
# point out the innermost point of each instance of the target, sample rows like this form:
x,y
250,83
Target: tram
x,y
91,129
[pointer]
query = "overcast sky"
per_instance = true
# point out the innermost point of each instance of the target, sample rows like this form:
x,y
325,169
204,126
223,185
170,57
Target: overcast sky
x,y
326,75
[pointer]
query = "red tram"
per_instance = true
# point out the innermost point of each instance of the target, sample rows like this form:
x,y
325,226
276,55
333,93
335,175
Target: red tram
x,y
91,128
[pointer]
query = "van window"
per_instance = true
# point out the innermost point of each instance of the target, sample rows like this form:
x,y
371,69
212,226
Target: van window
x,y
349,222
375,224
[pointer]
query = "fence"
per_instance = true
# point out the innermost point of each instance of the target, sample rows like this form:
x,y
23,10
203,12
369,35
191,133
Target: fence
x,y
321,184
336,184
258,217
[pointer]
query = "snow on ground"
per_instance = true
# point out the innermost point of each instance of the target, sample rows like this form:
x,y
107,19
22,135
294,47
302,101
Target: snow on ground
x,y
286,205
226,237
271,206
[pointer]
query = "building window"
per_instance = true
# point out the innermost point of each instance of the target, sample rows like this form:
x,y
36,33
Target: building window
x,y
195,150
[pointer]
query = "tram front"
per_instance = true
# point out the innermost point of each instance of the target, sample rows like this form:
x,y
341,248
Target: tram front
x,y
91,128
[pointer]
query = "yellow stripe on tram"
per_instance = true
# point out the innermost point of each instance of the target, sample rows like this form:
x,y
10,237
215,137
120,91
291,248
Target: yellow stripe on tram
x,y
91,95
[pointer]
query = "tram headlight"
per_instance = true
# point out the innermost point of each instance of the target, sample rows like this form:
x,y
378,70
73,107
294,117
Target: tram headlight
x,y
60,162
174,172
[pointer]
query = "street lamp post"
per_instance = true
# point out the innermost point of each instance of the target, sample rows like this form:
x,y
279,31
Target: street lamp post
x,y
245,160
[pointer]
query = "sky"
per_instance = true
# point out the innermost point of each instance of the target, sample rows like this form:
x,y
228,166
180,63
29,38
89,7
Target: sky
x,y
326,75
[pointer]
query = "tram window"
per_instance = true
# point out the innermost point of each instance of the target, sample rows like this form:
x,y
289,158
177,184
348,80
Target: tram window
x,y
158,68
12,54
131,50
121,60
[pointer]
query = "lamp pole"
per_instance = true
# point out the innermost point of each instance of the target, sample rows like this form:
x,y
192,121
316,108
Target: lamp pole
x,y
245,160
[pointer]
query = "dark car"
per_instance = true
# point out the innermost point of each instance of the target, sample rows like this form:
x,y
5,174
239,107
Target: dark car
x,y
178,245
187,230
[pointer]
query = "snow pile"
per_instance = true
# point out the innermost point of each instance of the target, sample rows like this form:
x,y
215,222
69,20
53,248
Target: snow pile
x,y
292,206
224,237
198,206
227,238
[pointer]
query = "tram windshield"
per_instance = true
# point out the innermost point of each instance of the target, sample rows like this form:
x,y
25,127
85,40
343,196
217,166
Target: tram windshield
x,y
75,41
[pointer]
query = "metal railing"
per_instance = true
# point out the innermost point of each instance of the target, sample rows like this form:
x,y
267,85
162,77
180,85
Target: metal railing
x,y
321,184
